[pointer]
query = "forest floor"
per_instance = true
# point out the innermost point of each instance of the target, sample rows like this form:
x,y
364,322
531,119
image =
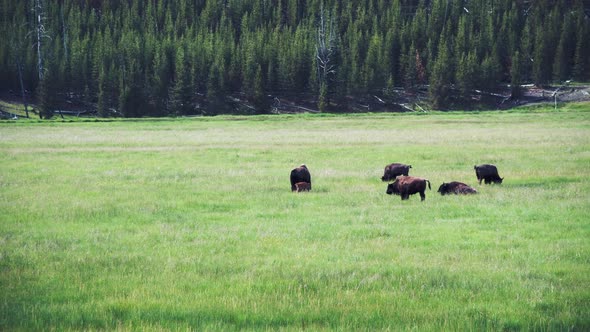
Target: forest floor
x,y
418,99
398,100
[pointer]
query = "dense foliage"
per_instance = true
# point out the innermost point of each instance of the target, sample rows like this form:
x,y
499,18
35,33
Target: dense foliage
x,y
159,57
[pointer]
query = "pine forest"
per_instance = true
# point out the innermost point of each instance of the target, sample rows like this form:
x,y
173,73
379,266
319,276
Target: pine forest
x,y
140,58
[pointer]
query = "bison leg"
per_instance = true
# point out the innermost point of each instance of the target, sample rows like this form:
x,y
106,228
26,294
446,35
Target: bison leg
x,y
422,196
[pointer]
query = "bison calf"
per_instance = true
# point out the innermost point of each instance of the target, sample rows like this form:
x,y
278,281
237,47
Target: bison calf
x,y
394,170
408,185
300,174
302,186
488,173
456,188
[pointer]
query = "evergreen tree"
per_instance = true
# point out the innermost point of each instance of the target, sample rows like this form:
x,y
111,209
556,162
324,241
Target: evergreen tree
x,y
47,92
581,68
103,93
564,57
411,71
526,52
374,69
216,89
467,74
181,96
132,102
162,78
540,59
516,75
260,100
491,70
441,77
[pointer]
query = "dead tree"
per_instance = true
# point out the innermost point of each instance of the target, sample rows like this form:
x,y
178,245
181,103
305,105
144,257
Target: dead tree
x,y
18,50
19,66
325,57
64,33
40,33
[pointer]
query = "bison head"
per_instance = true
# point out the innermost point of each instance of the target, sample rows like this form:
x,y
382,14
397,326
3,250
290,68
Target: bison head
x,y
443,188
407,170
392,188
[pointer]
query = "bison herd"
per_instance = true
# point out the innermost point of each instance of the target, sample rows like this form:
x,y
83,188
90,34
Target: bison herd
x,y
405,185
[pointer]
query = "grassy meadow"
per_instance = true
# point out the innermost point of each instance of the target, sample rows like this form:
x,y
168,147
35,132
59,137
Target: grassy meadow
x,y
190,224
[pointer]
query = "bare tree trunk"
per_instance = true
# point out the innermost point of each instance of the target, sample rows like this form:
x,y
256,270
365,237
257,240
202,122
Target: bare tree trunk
x,y
325,48
40,30
65,33
17,48
22,85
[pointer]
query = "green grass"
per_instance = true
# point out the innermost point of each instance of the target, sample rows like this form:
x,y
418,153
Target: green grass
x,y
16,108
190,224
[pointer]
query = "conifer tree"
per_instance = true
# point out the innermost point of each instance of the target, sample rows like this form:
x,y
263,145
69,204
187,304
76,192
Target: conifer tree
x,y
103,93
581,68
566,48
373,67
467,73
491,69
540,59
181,90
216,89
132,102
47,92
526,52
411,71
516,75
260,101
441,77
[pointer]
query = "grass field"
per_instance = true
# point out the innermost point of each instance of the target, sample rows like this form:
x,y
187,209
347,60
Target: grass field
x,y
190,224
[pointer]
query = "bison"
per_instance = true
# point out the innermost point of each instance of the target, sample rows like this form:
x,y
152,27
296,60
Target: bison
x,y
394,170
408,185
456,188
300,174
488,173
302,186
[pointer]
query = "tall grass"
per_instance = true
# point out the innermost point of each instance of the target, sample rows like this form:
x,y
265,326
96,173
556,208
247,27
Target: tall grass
x,y
190,224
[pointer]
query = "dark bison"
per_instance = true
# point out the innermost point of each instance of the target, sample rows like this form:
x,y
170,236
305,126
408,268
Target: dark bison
x,y
488,173
408,185
455,188
300,174
394,170
302,186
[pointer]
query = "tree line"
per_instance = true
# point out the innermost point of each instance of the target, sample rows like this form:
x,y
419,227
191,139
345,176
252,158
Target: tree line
x,y
138,58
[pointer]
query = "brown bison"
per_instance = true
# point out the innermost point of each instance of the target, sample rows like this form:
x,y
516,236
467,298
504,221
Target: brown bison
x,y
394,170
302,186
408,185
300,174
455,188
488,173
